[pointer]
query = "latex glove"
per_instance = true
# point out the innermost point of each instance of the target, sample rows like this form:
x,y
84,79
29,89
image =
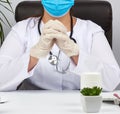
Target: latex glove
x,y
67,45
44,45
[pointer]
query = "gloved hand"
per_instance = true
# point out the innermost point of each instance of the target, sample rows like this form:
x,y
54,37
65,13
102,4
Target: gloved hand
x,y
67,45
43,47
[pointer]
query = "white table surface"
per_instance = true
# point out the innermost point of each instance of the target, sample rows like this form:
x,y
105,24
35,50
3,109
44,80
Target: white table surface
x,y
48,102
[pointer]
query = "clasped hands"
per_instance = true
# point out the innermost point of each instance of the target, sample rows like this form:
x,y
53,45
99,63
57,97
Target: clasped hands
x,y
54,32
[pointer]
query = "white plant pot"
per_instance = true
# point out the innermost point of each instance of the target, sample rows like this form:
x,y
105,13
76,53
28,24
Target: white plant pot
x,y
91,104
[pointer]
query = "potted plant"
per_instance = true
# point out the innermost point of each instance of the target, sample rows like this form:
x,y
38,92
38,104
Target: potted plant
x,y
3,19
91,99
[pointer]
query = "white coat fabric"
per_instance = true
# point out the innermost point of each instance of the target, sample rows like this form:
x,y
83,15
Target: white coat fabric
x,y
94,55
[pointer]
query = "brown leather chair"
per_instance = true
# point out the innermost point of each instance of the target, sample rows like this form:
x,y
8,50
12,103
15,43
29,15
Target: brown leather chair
x,y
98,11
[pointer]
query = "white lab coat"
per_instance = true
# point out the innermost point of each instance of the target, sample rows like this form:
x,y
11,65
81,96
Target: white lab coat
x,y
95,55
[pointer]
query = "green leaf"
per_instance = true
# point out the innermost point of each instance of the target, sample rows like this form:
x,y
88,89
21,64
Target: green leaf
x,y
6,8
3,1
3,18
91,91
7,2
1,34
10,5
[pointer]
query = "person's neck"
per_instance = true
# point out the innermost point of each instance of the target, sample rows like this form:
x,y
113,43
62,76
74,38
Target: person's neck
x,y
64,19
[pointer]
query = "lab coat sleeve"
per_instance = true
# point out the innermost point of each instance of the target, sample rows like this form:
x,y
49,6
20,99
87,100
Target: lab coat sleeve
x,y
100,59
14,60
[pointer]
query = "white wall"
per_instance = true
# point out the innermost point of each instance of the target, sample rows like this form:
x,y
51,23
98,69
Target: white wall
x,y
116,25
116,28
9,15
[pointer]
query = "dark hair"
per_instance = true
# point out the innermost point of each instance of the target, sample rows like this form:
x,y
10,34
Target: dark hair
x,y
71,11
41,16
42,11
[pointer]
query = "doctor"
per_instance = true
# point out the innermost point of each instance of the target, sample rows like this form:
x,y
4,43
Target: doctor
x,y
51,52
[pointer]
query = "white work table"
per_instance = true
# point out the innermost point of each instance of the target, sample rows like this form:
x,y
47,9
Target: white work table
x,y
48,102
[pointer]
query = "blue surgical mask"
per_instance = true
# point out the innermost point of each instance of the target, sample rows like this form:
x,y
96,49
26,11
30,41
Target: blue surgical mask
x,y
57,8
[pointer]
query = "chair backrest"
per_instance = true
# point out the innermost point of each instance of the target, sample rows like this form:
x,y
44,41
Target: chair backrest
x,y
98,11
